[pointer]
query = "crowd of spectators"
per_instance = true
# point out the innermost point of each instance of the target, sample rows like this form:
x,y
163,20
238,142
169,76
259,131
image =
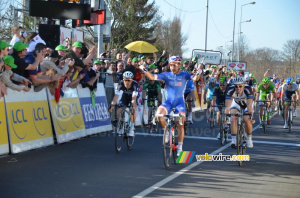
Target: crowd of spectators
x,y
28,63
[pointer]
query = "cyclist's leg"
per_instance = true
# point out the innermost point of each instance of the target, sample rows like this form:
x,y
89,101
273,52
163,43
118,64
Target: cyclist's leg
x,y
248,123
164,109
235,108
180,125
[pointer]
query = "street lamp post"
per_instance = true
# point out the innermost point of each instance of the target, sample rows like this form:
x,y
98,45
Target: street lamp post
x,y
251,3
249,20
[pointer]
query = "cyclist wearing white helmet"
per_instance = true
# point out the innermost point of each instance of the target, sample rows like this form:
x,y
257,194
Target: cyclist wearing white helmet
x,y
239,96
175,82
289,93
129,88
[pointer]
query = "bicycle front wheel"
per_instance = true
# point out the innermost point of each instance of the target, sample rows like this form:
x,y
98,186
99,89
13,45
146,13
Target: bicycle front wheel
x,y
264,121
167,147
130,141
119,134
241,143
290,117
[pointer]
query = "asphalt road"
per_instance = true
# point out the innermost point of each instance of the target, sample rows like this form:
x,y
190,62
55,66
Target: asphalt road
x,y
90,167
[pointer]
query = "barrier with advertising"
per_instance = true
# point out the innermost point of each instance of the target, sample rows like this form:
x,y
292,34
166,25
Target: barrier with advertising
x,y
67,116
238,66
96,118
4,147
211,57
28,118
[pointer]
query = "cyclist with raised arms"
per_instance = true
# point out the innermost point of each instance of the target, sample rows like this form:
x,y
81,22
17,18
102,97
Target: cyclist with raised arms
x,y
239,96
264,89
219,98
129,87
175,84
289,92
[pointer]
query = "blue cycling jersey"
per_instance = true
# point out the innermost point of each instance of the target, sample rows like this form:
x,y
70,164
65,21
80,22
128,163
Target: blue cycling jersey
x,y
210,90
189,87
175,85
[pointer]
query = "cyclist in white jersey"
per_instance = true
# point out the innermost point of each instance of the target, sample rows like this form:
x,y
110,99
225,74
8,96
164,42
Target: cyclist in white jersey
x,y
239,96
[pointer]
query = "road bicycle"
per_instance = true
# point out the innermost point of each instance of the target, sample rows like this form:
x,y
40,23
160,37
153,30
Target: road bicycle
x,y
241,135
169,138
290,114
223,127
153,102
265,115
122,129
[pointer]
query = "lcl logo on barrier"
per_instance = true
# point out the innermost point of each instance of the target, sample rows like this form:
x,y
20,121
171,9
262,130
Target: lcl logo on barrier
x,y
16,116
36,114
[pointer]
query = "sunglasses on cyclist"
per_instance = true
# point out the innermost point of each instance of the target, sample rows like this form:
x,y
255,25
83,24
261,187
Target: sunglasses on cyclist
x,y
289,84
222,85
238,86
266,84
127,80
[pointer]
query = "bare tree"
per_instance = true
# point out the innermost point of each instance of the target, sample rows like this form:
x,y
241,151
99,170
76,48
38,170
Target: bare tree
x,y
170,36
291,55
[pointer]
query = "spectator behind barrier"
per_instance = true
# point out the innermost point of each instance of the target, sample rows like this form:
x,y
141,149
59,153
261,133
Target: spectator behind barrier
x,y
19,52
8,75
120,69
4,50
102,71
49,63
3,90
19,35
89,80
39,81
75,54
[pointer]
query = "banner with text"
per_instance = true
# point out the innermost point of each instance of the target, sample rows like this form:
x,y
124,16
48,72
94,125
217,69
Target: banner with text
x,y
28,119
211,57
96,118
67,116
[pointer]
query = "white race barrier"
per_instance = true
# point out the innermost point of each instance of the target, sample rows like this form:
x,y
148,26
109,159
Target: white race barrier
x,y
4,146
67,116
96,118
28,118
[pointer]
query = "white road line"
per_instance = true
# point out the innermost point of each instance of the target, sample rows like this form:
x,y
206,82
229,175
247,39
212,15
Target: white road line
x,y
182,171
173,176
215,139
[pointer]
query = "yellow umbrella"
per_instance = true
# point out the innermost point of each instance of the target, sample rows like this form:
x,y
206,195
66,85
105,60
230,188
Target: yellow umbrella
x,y
141,47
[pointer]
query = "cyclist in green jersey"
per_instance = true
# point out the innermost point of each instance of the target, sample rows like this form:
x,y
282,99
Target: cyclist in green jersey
x,y
263,90
152,89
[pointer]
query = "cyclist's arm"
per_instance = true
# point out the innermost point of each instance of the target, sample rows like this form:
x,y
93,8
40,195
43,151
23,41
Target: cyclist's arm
x,y
266,73
282,94
228,103
249,105
147,73
214,101
144,95
204,95
159,97
114,101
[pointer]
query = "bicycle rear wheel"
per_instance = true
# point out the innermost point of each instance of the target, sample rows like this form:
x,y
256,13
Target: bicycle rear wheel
x,y
167,147
222,135
119,134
